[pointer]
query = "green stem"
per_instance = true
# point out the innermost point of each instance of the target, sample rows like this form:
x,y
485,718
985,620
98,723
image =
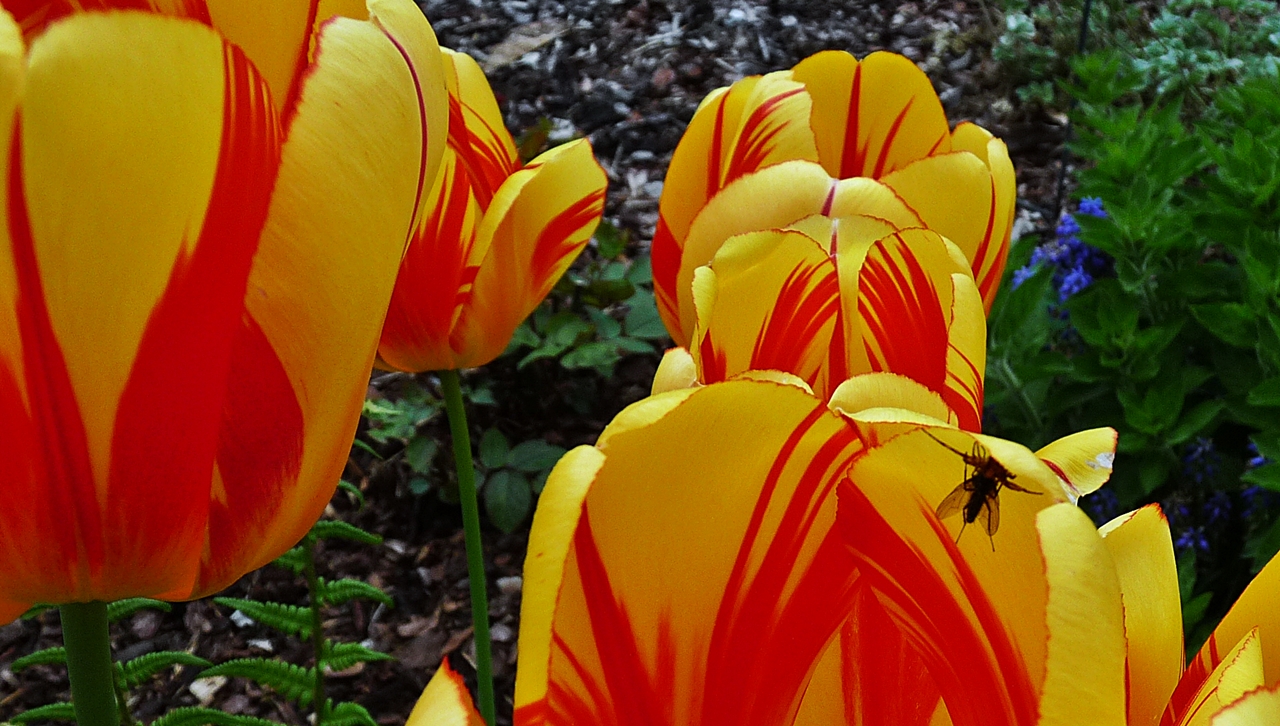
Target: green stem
x,y
471,528
93,688
317,627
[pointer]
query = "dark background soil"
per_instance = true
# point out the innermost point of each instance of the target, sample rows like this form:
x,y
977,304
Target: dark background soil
x,y
628,76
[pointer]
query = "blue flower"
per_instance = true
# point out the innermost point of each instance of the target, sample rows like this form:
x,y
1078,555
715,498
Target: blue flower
x,y
1192,537
1073,282
1092,206
1217,507
1068,227
1022,274
1102,506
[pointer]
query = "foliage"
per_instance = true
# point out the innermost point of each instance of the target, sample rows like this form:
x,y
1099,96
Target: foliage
x,y
512,475
1176,339
1173,46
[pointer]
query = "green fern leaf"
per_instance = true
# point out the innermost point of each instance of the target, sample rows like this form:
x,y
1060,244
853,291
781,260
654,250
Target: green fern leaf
x,y
138,670
348,714
353,490
51,712
35,611
295,561
330,528
290,619
196,716
341,591
121,609
293,682
48,656
341,656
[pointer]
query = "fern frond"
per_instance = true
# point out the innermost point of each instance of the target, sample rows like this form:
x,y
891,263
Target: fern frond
x,y
295,561
138,670
51,712
331,528
341,656
34,611
353,490
121,609
293,682
48,656
341,591
196,716
290,619
348,714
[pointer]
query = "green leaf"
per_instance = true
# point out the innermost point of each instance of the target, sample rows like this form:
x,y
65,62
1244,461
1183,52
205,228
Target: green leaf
x,y
1266,393
1232,323
293,682
140,669
1193,611
494,449
51,712
48,656
481,397
610,242
534,455
348,714
338,592
634,345
121,609
295,561
365,447
419,485
197,716
539,481
1186,574
353,491
640,272
35,611
642,319
336,528
507,499
1195,421
600,355
341,656
290,619
420,453
1266,476
1262,548
524,337
606,327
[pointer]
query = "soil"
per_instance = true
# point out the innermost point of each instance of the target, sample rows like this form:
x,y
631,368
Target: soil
x,y
628,76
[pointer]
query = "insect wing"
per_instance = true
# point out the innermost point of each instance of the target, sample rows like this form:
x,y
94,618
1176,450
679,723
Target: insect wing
x,y
990,513
955,501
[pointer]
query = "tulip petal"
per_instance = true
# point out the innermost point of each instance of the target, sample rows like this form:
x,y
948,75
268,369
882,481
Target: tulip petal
x,y
769,301
757,122
349,182
12,76
676,370
274,35
1082,460
445,702
1142,550
666,615
871,117
1239,671
35,16
965,209
476,129
539,221
989,259
889,390
1260,707
1085,672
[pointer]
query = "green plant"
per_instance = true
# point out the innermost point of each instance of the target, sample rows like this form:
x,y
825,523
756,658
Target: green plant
x,y
513,475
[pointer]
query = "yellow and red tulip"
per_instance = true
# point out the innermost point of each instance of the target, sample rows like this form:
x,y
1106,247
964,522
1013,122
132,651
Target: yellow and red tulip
x,y
692,567
206,204
835,299
495,238
876,120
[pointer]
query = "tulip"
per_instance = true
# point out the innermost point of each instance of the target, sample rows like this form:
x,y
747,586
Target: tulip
x,y
205,211
495,238
669,588
834,299
832,119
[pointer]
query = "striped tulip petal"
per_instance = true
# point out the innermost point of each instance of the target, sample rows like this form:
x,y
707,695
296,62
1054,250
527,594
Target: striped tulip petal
x,y
1260,707
874,116
676,370
274,35
181,361
757,122
663,614
1240,671
1082,460
990,255
1140,545
1012,630
493,237
445,702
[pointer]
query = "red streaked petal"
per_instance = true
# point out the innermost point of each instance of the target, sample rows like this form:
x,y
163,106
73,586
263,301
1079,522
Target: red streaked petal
x,y
275,35
35,16
476,131
445,702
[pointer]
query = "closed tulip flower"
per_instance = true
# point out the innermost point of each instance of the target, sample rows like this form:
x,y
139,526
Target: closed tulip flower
x,y
495,238
205,206
830,120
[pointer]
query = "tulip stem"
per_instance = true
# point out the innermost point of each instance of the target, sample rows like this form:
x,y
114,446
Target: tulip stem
x,y
321,703
471,528
93,687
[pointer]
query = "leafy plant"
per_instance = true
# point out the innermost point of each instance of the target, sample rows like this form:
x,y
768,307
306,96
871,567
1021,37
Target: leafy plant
x,y
513,475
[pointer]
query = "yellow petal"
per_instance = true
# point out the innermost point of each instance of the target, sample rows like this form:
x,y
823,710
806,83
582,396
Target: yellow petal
x,y
350,180
274,35
1240,671
667,615
1083,460
12,79
1256,608
872,117
1142,550
445,702
1257,708
676,370
539,221
769,301
889,390
1085,672
476,128
993,152
757,122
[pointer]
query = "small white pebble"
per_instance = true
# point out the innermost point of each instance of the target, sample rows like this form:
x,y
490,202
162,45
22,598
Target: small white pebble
x,y
262,644
501,633
510,585
240,619
205,688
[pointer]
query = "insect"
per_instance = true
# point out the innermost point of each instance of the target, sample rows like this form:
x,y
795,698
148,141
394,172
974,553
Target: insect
x,y
978,496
